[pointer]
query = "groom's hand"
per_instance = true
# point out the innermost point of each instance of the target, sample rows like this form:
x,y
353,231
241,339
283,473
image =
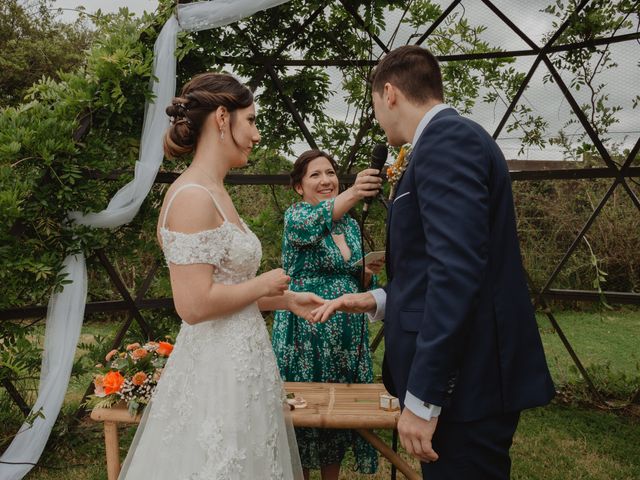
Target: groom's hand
x,y
350,302
416,434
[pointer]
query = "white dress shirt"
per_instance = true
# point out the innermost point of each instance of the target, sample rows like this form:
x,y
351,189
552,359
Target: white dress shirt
x,y
413,403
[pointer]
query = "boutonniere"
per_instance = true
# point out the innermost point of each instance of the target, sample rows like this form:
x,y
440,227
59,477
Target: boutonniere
x,y
394,172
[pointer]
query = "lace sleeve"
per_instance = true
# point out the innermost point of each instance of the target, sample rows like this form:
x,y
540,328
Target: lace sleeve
x,y
192,248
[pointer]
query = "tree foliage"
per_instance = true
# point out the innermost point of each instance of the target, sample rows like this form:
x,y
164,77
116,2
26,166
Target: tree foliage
x,y
599,19
36,44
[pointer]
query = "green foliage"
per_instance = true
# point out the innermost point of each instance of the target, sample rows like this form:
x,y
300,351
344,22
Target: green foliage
x,y
618,387
550,215
35,45
44,173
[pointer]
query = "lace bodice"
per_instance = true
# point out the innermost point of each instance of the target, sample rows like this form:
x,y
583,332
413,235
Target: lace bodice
x,y
234,252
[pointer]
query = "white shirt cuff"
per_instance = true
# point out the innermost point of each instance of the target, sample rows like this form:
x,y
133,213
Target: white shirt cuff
x,y
380,296
419,408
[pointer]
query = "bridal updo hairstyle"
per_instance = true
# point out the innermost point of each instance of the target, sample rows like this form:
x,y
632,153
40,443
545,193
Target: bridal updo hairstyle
x,y
202,95
302,163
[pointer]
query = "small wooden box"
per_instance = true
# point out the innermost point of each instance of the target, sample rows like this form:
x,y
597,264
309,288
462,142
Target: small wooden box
x,y
389,402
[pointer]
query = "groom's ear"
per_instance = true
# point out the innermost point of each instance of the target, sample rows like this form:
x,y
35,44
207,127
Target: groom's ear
x,y
390,94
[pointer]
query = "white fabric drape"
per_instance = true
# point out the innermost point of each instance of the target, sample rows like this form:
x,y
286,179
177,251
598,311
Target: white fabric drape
x,y
66,309
64,319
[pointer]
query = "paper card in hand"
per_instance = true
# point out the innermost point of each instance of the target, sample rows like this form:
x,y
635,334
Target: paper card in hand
x,y
371,257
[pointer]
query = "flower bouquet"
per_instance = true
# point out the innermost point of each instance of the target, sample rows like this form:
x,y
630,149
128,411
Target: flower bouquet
x,y
130,375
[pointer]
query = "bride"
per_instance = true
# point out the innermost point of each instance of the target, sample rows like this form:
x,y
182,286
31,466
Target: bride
x,y
218,410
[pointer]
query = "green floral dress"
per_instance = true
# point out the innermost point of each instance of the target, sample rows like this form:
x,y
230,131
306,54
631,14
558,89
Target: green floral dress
x,y
336,351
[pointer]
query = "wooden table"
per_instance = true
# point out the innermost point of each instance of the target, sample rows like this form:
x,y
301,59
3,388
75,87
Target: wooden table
x,y
329,405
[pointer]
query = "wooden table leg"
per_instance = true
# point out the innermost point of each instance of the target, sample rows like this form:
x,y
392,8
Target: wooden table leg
x,y
393,457
112,448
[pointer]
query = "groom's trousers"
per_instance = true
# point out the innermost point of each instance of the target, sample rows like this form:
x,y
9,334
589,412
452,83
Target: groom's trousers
x,y
476,450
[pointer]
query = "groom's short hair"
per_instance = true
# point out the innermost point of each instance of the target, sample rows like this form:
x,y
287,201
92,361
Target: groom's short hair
x,y
413,70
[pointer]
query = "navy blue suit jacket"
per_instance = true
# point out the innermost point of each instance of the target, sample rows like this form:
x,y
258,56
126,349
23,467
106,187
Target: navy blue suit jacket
x,y
460,330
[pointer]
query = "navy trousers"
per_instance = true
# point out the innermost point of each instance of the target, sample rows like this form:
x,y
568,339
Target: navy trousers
x,y
473,450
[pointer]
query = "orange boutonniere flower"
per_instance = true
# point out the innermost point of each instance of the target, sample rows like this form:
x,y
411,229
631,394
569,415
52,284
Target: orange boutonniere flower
x,y
394,172
164,349
112,382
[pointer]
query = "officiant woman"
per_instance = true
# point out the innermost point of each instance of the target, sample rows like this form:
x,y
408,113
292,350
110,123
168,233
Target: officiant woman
x,y
321,244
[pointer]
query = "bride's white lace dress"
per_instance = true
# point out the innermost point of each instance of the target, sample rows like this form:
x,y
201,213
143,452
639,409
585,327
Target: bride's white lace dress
x,y
217,412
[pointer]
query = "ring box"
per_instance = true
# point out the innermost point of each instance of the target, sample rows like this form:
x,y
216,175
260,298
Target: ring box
x,y
389,402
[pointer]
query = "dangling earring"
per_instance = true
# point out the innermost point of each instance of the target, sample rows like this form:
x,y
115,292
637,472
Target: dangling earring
x,y
222,131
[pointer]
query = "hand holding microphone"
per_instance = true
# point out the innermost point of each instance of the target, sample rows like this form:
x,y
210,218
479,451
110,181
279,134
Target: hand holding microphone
x,y
378,158
366,186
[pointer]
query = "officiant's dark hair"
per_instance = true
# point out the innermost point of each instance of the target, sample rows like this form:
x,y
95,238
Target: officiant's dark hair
x,y
413,70
200,96
302,162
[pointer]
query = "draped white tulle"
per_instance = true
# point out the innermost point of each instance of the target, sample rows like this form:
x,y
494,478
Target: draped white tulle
x,y
66,309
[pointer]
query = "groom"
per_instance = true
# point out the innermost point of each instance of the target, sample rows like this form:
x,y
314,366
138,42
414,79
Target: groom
x,y
462,348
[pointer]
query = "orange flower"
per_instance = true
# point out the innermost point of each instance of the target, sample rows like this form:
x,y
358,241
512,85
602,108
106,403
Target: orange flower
x,y
139,378
165,349
112,382
394,172
110,355
133,346
139,353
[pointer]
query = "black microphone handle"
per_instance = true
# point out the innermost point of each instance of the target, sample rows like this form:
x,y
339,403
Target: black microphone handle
x,y
378,158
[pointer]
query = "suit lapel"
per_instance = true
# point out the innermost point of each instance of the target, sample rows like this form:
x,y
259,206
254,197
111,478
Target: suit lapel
x,y
387,247
389,215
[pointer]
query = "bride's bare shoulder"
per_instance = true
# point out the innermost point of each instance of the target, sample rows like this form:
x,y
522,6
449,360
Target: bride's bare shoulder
x,y
188,208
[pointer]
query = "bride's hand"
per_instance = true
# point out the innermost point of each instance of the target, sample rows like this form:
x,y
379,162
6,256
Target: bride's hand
x,y
303,303
275,282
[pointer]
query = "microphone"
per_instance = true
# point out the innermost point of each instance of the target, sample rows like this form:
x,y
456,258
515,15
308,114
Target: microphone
x,y
378,157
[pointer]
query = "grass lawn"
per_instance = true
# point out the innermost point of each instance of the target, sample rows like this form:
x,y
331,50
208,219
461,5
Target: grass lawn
x,y
608,342
556,442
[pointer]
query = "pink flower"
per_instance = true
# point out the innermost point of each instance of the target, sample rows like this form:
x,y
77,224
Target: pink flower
x,y
110,355
139,378
138,353
98,386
